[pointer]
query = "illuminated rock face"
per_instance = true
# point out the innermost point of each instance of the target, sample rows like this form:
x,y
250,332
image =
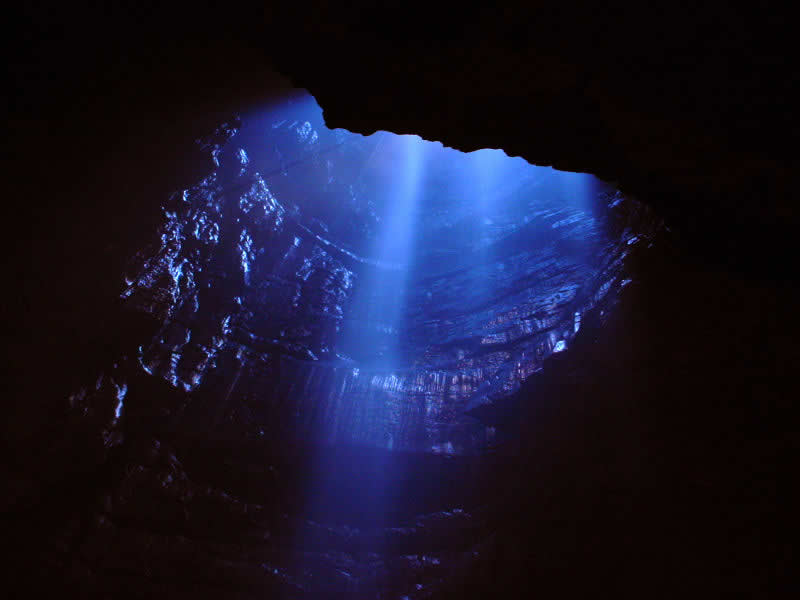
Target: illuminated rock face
x,y
370,290
660,447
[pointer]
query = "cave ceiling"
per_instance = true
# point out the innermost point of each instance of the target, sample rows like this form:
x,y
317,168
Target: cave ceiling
x,y
690,110
672,415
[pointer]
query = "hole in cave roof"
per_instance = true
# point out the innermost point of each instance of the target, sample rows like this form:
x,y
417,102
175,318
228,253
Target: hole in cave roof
x,y
398,283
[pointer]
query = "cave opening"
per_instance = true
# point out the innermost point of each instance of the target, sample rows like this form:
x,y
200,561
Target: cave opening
x,y
375,290
205,436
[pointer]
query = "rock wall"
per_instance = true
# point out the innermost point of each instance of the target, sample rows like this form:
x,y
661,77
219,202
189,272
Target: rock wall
x,y
663,461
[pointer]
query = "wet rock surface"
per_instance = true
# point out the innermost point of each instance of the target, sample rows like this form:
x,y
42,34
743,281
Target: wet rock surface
x,y
259,284
235,443
621,472
657,455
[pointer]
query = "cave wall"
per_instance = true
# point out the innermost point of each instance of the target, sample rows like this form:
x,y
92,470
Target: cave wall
x,y
672,444
690,112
